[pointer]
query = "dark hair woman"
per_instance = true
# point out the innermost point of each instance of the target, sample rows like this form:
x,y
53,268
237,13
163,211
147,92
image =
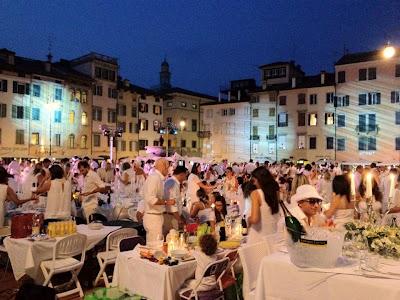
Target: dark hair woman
x,y
264,214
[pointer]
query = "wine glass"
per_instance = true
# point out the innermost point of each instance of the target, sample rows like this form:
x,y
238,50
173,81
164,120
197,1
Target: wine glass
x,y
361,244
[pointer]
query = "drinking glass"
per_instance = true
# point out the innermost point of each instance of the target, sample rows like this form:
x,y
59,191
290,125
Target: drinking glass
x,y
361,245
159,241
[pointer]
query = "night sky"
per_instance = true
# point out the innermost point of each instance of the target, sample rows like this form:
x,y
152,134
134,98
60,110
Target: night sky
x,y
207,43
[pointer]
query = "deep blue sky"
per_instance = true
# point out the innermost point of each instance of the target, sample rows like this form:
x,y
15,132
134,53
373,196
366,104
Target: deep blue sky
x,y
207,43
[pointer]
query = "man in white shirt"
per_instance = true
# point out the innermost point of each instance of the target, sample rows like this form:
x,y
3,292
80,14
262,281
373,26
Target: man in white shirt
x,y
106,173
250,167
172,190
92,185
154,203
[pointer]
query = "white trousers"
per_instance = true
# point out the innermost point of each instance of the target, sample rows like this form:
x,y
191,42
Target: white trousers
x,y
153,224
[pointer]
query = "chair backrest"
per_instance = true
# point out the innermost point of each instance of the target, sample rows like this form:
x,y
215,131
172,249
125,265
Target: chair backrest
x,y
130,243
115,237
250,257
70,246
216,268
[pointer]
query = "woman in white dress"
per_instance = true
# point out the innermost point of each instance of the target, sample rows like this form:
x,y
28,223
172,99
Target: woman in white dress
x,y
264,214
7,194
59,195
194,184
202,211
341,208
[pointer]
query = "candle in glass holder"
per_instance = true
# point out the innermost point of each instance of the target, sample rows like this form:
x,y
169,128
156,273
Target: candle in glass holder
x,y
368,193
392,183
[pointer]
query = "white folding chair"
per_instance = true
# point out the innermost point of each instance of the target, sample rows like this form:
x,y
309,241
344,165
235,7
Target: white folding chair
x,y
4,232
217,269
109,256
63,261
250,257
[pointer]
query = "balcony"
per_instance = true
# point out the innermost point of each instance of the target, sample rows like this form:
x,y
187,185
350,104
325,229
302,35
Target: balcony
x,y
368,129
255,137
271,137
204,134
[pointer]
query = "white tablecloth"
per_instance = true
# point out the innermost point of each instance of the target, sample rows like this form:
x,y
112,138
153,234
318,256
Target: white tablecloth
x,y
25,255
279,279
156,282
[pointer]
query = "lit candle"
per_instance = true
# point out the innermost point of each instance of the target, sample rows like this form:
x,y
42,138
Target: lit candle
x,y
352,185
391,189
369,186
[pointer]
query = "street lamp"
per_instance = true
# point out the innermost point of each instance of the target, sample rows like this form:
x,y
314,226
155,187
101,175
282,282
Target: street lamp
x,y
112,134
51,106
389,51
168,129
182,125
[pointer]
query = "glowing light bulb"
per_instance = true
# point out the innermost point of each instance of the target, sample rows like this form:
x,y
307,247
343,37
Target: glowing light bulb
x,y
389,51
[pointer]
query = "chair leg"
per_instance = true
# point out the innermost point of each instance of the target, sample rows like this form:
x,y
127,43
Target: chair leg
x,y
77,283
101,271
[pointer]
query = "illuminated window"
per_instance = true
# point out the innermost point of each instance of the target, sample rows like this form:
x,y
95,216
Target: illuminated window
x,y
35,138
312,119
194,106
329,119
71,141
71,117
183,104
84,141
157,110
144,125
84,118
301,142
19,137
84,97
283,119
77,95
156,125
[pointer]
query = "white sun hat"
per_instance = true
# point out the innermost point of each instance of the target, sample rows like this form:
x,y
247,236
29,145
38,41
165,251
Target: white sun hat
x,y
304,192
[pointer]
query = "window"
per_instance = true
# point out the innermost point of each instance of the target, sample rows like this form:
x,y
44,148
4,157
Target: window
x,y
194,125
183,143
169,104
271,132
169,120
58,139
76,95
183,104
341,121
17,112
144,125
275,73
35,114
156,125
313,142
366,143
301,142
134,112
397,71
342,101
370,99
143,107
341,76
122,145
121,110
58,93
83,141
272,111
157,110
313,99
21,88
232,112
98,90
57,116
224,112
362,74
143,144
301,98
194,144
71,141
36,90
209,113
312,119
329,118
35,138
112,93
3,110
84,118
71,117
3,85
194,106
255,113
97,113
96,140
366,122
341,144
397,118
283,119
282,142
395,97
329,97
301,118
397,142
329,142
84,97
282,100
97,72
371,73
112,116
255,131
19,137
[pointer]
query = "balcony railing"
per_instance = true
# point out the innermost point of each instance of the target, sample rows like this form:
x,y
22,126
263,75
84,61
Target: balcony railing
x,y
271,137
255,137
204,134
368,129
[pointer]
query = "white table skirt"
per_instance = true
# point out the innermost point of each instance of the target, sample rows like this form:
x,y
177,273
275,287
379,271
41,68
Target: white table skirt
x,y
156,282
278,278
25,256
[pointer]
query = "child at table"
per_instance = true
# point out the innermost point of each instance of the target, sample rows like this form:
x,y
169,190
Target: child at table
x,y
208,246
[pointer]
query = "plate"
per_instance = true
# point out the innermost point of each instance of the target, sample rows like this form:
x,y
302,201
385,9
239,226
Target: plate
x,y
95,226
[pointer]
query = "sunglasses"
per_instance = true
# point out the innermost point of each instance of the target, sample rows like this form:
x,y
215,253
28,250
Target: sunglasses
x,y
313,201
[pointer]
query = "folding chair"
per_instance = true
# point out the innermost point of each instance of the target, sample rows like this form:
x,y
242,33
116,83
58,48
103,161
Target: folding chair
x,y
217,269
4,232
63,261
130,243
109,256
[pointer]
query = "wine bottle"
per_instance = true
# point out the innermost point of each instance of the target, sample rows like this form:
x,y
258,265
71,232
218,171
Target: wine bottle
x,y
244,226
293,225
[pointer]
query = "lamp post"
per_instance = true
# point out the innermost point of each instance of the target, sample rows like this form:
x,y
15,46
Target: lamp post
x,y
182,125
168,129
113,134
51,106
